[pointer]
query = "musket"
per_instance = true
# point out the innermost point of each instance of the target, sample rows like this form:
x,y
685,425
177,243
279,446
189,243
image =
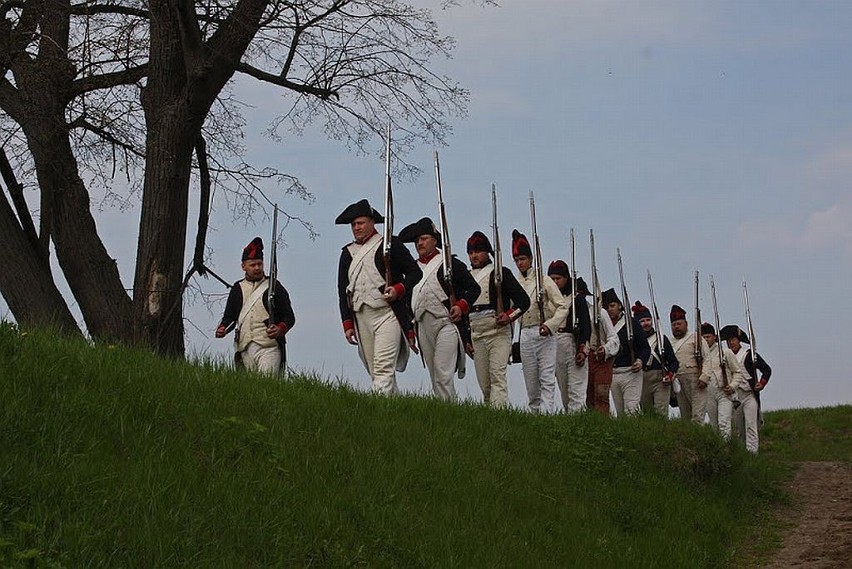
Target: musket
x,y
722,363
655,317
273,266
539,282
596,292
750,330
387,233
575,320
498,256
699,345
445,235
628,317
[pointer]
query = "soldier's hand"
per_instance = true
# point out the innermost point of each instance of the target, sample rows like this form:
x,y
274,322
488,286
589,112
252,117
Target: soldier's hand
x,y
275,331
391,294
637,366
468,349
455,314
412,343
728,390
580,358
600,353
702,384
543,330
668,378
760,385
503,319
350,336
220,331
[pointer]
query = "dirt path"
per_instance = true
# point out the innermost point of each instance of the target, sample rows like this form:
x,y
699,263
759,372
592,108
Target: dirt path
x,y
822,536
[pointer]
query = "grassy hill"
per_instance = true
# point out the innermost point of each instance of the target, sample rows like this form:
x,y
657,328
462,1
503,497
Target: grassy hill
x,y
117,458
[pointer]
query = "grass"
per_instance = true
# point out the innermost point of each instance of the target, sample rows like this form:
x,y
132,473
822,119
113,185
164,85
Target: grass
x,y
796,435
114,458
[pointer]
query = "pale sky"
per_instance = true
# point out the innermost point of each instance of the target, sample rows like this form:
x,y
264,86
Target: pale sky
x,y
709,136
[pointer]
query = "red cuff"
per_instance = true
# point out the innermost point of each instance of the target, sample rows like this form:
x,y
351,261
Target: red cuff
x,y
463,306
410,334
282,328
400,289
348,325
762,383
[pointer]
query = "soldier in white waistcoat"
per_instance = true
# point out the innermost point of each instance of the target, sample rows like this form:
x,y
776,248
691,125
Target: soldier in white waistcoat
x,y
572,373
376,314
443,330
722,399
692,398
746,420
491,331
538,325
259,339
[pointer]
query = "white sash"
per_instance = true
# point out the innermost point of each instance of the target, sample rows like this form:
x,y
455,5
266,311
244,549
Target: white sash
x,y
358,258
431,269
679,342
247,306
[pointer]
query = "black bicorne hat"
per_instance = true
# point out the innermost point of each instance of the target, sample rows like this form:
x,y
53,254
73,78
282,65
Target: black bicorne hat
x,y
423,226
358,209
608,296
733,331
582,287
707,328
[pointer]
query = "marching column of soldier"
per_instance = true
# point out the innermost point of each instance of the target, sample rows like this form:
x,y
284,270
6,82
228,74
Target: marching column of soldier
x,y
392,302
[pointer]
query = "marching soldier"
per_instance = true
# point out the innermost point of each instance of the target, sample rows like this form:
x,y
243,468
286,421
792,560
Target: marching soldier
x,y
747,416
572,374
376,314
538,344
692,398
724,391
441,327
659,369
604,345
259,340
628,362
491,332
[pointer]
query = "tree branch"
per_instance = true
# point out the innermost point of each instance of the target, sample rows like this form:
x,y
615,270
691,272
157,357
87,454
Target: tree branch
x,y
323,94
16,192
80,122
127,76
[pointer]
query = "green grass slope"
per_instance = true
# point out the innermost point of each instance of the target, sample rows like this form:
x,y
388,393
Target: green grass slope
x,y
116,458
822,434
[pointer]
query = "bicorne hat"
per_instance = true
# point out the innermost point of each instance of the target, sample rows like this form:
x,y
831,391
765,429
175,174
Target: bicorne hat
x,y
732,331
358,209
423,226
609,296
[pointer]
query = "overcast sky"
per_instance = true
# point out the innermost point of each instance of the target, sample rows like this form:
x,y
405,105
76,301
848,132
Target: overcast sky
x,y
709,136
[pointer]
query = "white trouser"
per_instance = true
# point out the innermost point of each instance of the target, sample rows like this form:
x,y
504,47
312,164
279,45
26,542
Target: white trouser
x,y
626,390
691,400
720,408
538,359
655,393
572,379
380,338
262,360
493,346
745,420
439,343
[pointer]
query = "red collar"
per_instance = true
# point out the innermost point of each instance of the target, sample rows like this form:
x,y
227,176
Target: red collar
x,y
425,260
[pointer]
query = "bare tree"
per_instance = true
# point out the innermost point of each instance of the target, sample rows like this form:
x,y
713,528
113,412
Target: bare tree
x,y
98,90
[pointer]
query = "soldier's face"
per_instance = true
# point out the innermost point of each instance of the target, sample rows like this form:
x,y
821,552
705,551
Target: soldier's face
x,y
679,328
362,228
253,269
646,324
523,263
478,259
614,310
734,344
710,339
426,245
560,281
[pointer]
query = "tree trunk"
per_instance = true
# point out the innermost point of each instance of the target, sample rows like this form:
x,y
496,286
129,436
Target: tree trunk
x,y
25,281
